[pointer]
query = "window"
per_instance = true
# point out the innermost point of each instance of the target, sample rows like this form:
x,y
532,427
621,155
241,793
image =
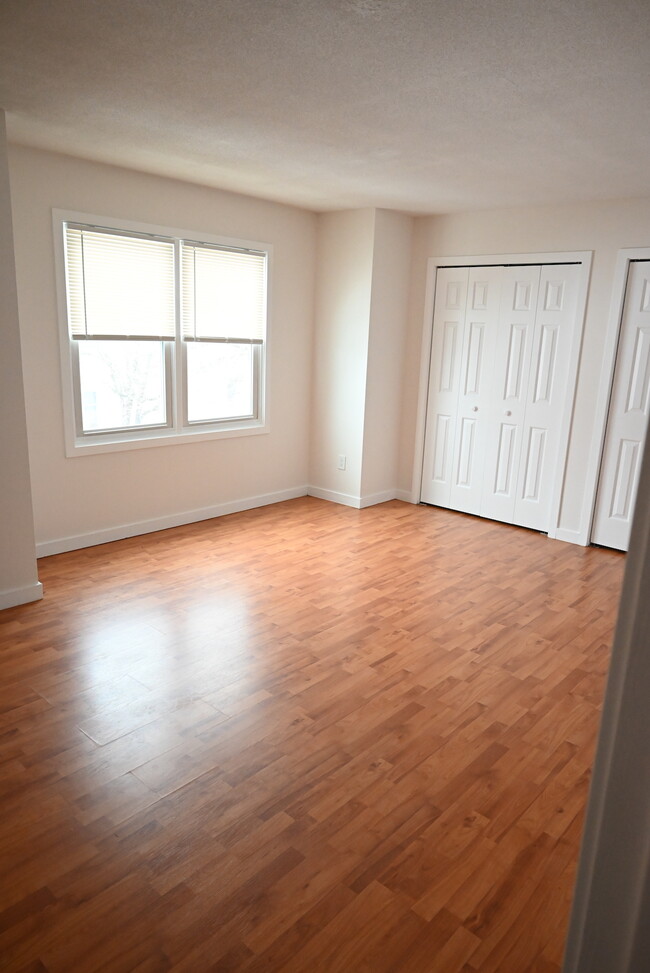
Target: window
x,y
164,335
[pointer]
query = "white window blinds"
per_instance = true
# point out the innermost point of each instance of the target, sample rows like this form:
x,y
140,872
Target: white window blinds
x,y
223,294
119,286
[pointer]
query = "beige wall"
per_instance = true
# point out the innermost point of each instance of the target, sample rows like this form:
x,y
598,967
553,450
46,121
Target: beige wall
x,y
18,577
342,321
388,322
100,495
604,227
354,393
362,291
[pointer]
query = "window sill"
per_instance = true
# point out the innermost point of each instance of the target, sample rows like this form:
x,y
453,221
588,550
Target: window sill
x,y
118,442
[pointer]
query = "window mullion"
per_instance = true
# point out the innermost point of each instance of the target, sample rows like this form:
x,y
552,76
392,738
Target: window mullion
x,y
180,371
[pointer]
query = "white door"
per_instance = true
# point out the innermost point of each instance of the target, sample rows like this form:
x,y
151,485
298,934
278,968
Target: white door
x,y
498,389
507,410
444,382
628,415
547,394
476,388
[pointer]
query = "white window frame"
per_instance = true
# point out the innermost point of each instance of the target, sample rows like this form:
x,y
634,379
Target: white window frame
x,y
177,430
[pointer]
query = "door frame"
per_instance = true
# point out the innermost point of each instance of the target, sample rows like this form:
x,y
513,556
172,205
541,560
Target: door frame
x,y
619,287
582,257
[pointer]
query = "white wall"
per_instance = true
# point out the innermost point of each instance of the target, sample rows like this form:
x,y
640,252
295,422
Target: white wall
x,y
342,320
362,293
100,495
386,340
604,227
366,356
18,578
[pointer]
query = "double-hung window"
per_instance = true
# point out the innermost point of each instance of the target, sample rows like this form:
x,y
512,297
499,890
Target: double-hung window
x,y
163,336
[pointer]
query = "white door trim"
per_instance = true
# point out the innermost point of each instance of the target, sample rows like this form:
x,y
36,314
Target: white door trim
x,y
592,472
583,257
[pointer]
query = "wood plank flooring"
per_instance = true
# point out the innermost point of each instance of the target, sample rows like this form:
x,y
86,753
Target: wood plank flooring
x,y
301,738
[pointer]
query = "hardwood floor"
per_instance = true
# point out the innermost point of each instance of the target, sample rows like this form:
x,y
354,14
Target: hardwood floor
x,y
301,738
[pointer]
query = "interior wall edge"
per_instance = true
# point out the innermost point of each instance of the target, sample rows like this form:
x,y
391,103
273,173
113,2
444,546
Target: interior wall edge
x,y
407,496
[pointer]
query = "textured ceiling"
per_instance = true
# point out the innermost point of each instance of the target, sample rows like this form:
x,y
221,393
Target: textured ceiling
x,y
417,105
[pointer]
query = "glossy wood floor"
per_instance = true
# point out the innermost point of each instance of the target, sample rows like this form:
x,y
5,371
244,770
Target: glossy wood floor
x,y
302,738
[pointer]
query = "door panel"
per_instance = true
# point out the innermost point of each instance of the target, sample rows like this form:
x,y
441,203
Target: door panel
x,y
448,356
554,294
441,451
476,392
466,452
474,358
626,471
444,381
547,393
515,362
519,294
545,370
503,481
628,415
639,380
534,464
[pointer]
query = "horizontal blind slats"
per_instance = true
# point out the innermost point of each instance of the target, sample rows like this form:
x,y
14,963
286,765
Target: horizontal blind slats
x,y
225,341
119,286
223,294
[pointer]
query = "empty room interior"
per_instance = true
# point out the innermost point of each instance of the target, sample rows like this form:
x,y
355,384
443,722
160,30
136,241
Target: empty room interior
x,y
324,513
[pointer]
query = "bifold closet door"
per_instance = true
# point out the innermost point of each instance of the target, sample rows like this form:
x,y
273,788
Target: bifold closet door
x,y
444,378
547,394
507,411
628,415
464,333
497,389
475,388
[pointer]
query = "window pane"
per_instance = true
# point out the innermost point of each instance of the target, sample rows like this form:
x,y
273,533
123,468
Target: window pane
x,y
120,285
219,381
122,384
223,293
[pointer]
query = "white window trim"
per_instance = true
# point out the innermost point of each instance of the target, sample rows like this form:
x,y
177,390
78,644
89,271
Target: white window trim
x,y
77,445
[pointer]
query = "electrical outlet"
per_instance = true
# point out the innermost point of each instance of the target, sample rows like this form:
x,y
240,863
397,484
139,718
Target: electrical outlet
x,y
342,462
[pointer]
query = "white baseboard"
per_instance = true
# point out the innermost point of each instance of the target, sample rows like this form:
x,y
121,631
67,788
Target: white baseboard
x,y
62,544
407,496
21,596
571,536
348,500
372,498
334,496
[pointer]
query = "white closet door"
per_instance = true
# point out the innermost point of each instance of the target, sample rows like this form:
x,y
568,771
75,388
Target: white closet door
x,y
547,396
506,415
444,382
628,415
475,390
